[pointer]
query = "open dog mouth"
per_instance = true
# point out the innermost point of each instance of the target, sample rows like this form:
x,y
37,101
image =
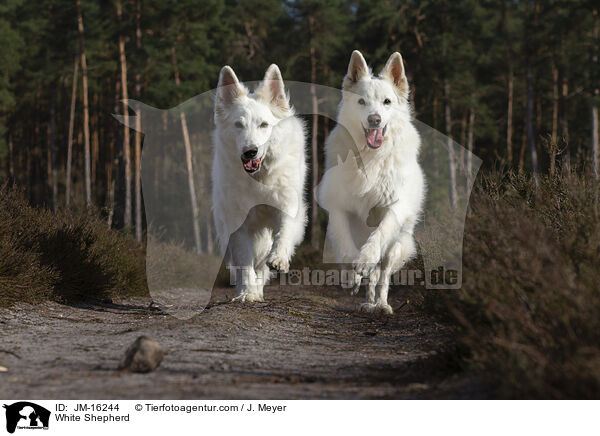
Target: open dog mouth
x,y
251,166
375,136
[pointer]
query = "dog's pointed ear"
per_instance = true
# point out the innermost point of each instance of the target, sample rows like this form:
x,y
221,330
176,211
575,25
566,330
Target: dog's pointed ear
x,y
272,90
357,69
229,88
394,72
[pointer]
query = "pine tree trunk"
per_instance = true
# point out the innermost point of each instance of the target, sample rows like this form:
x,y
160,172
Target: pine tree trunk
x,y
11,159
563,118
435,111
126,140
314,241
111,203
521,167
52,138
509,118
470,144
95,128
510,83
36,169
188,160
450,146
554,132
109,184
463,141
30,168
594,103
47,196
86,113
595,140
70,137
79,165
564,122
539,114
210,242
112,169
119,172
138,134
529,124
530,99
555,85
434,150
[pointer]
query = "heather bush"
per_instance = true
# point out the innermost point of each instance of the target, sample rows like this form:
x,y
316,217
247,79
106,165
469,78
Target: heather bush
x,y
529,308
64,256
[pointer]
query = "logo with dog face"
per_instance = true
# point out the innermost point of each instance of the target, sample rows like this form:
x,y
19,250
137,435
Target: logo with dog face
x,y
26,415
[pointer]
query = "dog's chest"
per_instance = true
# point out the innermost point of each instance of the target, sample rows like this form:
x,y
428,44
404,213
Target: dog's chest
x,y
383,185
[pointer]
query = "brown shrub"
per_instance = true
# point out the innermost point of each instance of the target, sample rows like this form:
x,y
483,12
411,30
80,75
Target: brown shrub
x,y
529,308
63,256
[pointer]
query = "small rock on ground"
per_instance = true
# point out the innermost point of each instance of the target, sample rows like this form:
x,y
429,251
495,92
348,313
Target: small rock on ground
x,y
144,355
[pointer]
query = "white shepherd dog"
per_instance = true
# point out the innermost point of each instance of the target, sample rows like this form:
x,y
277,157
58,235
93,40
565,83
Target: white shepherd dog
x,y
373,186
258,176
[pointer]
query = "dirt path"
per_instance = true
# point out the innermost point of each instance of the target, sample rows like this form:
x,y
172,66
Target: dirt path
x,y
299,343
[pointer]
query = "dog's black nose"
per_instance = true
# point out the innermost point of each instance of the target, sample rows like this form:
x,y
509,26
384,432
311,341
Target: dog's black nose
x,y
374,120
250,153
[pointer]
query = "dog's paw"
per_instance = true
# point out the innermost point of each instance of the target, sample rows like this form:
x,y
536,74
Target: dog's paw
x,y
383,308
356,282
367,260
367,307
241,298
247,297
279,260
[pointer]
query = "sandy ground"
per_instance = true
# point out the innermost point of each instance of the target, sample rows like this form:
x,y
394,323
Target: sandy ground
x,y
301,343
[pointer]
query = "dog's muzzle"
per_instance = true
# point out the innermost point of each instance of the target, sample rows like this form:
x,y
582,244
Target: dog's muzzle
x,y
251,165
375,136
250,161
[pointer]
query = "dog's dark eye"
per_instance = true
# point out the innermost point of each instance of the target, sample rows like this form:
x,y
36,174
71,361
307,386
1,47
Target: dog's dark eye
x,y
387,101
362,102
239,125
264,125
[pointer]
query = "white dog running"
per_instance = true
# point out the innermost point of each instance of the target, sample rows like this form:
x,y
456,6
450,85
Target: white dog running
x,y
258,179
374,202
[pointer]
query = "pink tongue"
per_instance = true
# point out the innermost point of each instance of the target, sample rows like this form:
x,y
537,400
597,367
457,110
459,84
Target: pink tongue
x,y
252,164
375,137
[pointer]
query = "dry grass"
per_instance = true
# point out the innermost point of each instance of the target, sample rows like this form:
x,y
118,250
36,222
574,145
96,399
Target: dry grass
x,y
63,256
529,308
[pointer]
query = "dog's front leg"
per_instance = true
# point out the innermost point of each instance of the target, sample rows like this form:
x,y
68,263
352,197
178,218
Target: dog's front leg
x,y
369,304
339,233
372,251
242,261
398,253
284,242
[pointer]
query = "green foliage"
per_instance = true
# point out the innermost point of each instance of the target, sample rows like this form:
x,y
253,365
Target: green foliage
x,y
323,26
475,46
11,45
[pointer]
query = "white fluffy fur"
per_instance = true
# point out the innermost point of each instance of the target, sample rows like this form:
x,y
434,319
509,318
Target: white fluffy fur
x,y
260,217
375,199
